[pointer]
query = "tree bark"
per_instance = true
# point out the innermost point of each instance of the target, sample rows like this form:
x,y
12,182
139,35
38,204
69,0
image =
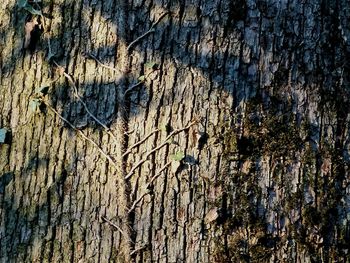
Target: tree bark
x,y
175,131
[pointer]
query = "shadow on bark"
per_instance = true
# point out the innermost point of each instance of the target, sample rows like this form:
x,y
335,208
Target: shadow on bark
x,y
230,69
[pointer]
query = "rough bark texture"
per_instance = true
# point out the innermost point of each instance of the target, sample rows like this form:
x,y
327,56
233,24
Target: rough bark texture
x,y
265,176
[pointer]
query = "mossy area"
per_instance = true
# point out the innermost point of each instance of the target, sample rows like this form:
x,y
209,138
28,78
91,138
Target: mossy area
x,y
230,142
271,131
240,234
310,212
226,135
248,243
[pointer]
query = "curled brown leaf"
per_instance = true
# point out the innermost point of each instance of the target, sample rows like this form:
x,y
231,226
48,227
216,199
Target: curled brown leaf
x,y
28,29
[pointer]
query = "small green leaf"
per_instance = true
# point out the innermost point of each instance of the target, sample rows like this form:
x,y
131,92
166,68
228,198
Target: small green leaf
x,y
179,156
4,135
34,105
43,90
142,78
22,3
165,127
172,141
151,65
32,10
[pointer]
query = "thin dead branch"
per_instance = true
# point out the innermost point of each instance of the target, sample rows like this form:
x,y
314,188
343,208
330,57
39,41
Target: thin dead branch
x,y
150,31
138,249
134,204
147,192
127,133
102,64
139,142
76,94
138,83
107,156
166,141
117,227
132,87
158,174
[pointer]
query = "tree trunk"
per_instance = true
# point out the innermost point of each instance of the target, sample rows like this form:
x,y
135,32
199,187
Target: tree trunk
x,y
175,131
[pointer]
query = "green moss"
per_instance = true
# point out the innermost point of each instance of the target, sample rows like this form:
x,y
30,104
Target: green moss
x,y
78,233
31,211
294,200
237,247
228,137
47,252
22,248
56,244
259,253
270,131
230,142
54,196
114,254
219,253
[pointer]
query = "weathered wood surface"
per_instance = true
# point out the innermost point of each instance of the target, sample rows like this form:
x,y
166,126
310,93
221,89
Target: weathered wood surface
x,y
266,172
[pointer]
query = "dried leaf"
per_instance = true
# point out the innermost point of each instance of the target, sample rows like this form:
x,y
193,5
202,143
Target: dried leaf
x,y
326,165
246,167
60,70
211,216
28,29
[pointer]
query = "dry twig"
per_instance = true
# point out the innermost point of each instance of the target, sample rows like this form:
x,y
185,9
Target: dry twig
x,y
132,87
147,186
76,94
132,170
109,158
158,174
117,227
139,142
138,83
150,31
138,249
103,65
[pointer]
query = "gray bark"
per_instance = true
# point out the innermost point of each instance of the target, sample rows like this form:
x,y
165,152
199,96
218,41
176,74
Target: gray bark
x,y
265,176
